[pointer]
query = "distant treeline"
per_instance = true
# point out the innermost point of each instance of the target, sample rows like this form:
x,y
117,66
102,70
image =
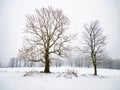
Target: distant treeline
x,y
107,64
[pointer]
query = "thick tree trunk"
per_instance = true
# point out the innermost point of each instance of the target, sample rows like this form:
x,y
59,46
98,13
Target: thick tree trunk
x,y
47,66
95,66
95,69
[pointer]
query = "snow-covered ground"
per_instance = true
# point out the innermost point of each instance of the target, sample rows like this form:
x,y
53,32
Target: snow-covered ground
x,y
60,79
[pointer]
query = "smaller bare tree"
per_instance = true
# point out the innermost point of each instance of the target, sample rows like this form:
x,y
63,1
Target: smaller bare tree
x,y
94,43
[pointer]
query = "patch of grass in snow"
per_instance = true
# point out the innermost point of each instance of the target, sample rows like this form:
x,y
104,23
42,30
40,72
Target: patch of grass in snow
x,y
3,71
69,74
94,76
31,72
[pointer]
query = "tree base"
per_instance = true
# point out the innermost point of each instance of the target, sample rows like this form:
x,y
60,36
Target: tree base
x,y
95,74
47,72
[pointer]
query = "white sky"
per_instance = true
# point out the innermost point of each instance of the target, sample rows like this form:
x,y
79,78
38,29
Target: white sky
x,y
13,12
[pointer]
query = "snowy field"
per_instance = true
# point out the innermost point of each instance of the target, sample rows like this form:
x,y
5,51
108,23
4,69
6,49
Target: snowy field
x,y
64,78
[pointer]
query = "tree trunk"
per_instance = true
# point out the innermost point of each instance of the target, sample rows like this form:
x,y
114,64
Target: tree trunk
x,y
95,69
94,65
47,66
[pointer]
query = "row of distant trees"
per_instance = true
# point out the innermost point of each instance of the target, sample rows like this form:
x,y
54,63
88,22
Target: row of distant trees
x,y
109,63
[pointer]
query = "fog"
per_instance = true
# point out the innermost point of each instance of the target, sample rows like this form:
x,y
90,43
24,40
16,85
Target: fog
x,y
13,12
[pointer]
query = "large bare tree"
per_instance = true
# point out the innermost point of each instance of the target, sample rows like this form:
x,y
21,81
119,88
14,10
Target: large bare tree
x,y
46,36
94,43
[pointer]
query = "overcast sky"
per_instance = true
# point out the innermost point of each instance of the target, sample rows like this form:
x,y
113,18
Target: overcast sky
x,y
13,12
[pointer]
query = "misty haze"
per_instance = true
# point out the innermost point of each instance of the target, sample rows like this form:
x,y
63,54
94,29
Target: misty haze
x,y
65,42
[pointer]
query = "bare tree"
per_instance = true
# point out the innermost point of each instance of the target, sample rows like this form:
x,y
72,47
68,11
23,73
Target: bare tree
x,y
13,62
46,35
94,43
